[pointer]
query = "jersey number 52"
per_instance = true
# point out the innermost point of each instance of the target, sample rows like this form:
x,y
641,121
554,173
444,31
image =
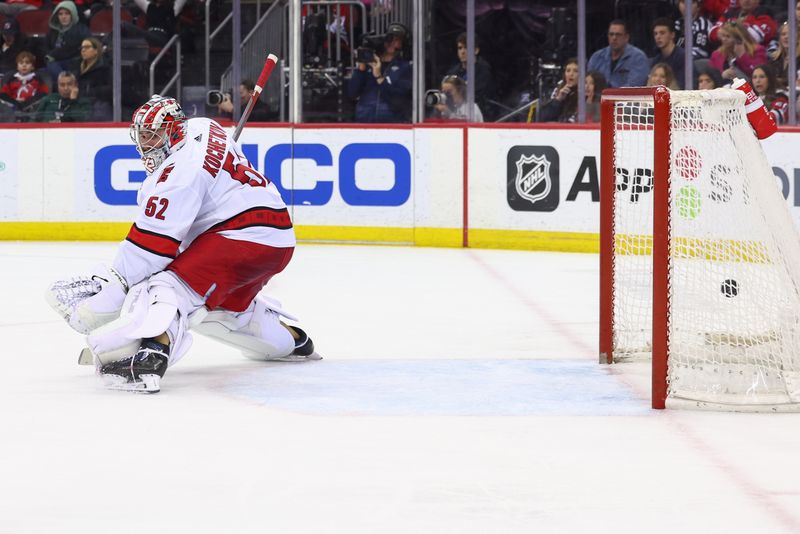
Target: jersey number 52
x,y
156,207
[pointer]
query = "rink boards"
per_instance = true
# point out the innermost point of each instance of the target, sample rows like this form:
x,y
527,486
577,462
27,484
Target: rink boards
x,y
517,186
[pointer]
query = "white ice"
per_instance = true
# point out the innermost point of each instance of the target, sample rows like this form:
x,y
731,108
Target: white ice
x,y
460,393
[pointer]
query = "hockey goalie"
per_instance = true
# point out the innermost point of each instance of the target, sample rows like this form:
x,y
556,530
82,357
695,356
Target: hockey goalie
x,y
210,233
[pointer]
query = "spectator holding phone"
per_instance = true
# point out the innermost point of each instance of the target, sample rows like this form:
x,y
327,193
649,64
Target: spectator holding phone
x,y
739,54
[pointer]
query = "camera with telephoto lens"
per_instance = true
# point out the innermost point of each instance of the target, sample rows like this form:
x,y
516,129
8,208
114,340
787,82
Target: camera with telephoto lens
x,y
215,98
434,97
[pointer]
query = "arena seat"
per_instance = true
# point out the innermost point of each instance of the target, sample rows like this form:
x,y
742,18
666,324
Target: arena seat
x,y
102,22
34,23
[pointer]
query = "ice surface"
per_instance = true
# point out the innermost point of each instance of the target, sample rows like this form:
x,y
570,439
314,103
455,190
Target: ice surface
x,y
459,393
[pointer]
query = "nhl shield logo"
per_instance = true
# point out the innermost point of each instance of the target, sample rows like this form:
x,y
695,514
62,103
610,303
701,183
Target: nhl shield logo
x,y
532,178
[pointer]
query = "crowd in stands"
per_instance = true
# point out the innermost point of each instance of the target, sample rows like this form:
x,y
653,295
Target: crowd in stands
x,y
730,39
65,45
61,71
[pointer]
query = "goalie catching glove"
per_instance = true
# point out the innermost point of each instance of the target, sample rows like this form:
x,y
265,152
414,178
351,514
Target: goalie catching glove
x,y
89,301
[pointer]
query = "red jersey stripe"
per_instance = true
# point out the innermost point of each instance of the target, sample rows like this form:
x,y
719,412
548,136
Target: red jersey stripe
x,y
258,216
154,243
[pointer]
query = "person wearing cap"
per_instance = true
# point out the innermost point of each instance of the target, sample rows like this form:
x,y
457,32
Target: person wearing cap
x,y
13,42
383,85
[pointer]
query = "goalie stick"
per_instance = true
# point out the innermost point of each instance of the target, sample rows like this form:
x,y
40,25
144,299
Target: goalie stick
x,y
272,59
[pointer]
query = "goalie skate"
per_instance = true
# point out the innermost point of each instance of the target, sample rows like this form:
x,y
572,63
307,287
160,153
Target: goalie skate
x,y
303,349
145,383
140,373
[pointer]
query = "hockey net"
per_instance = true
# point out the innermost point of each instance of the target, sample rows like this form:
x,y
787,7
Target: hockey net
x,y
700,260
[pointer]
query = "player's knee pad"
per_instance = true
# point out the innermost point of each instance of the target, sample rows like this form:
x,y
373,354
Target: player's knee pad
x,y
90,301
148,311
257,331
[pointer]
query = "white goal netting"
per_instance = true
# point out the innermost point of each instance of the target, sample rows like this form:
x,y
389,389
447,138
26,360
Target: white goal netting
x,y
734,268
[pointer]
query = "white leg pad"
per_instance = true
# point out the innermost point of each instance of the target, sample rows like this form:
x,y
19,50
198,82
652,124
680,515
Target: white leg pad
x,y
257,331
146,312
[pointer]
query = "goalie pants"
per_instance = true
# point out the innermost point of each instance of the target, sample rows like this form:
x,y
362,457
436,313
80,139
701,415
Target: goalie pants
x,y
226,272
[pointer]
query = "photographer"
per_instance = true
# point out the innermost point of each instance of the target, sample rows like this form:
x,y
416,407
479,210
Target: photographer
x,y
382,82
224,103
451,102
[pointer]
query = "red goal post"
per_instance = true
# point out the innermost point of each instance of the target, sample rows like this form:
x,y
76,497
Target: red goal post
x,y
660,97
699,255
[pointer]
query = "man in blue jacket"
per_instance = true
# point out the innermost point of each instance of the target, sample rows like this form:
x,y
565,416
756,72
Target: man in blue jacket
x,y
621,63
383,85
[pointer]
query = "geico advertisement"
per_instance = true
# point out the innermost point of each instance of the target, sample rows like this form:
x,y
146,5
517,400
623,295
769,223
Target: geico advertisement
x,y
353,177
360,177
549,180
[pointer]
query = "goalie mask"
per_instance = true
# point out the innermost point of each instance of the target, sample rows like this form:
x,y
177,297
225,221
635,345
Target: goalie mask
x,y
158,130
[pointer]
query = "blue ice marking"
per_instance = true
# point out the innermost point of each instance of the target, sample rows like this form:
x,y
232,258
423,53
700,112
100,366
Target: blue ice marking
x,y
439,387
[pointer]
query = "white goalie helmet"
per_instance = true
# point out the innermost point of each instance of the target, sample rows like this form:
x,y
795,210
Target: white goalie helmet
x,y
158,129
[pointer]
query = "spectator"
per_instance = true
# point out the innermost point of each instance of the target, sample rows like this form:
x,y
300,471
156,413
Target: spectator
x,y
595,83
484,89
161,25
260,111
668,52
13,42
65,37
563,103
757,19
775,100
709,78
661,74
455,107
621,63
739,54
94,78
12,8
779,59
24,87
66,105
383,86
701,27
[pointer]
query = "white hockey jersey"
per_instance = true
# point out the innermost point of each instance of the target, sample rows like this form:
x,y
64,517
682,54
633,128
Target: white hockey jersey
x,y
205,186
